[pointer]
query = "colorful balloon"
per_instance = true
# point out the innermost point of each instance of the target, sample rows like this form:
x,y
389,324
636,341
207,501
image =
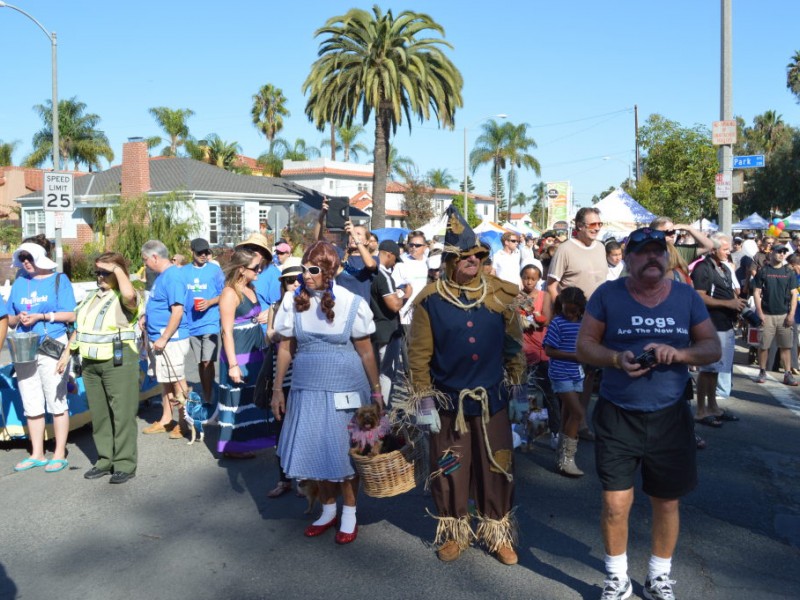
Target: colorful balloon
x,y
781,225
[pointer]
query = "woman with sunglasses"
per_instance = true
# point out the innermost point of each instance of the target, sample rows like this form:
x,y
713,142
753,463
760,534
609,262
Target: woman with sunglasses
x,y
42,301
243,424
105,339
326,330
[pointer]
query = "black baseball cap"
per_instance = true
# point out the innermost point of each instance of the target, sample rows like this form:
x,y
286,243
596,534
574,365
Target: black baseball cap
x,y
199,245
390,247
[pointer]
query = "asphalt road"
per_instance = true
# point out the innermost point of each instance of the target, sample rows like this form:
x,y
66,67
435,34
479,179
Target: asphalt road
x,y
193,526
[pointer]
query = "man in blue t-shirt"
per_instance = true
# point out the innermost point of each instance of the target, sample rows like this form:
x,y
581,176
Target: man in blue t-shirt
x,y
641,417
168,333
204,283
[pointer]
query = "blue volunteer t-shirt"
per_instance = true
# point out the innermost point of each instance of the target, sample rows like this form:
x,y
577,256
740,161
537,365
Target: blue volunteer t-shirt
x,y
39,296
169,288
356,277
268,286
562,334
202,282
631,326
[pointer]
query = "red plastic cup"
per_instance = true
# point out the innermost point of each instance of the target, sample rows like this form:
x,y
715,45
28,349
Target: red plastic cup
x,y
197,302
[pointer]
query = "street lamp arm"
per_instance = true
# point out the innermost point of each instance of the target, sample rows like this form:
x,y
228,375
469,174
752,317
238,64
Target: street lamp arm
x,y
50,36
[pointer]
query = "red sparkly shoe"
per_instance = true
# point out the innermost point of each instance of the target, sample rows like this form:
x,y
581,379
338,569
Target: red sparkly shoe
x,y
315,530
346,538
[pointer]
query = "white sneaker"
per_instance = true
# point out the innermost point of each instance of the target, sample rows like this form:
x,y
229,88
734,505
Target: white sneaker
x,y
659,588
615,588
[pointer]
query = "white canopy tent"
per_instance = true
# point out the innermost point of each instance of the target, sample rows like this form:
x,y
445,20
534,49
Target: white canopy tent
x,y
521,229
705,225
489,226
621,214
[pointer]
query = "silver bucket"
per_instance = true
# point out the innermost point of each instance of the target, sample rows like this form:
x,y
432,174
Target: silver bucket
x,y
23,346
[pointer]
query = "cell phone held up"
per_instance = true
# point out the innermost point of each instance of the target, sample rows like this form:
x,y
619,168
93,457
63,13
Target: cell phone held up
x,y
647,359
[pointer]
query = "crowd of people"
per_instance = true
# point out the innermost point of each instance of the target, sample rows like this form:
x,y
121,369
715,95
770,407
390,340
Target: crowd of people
x,y
462,331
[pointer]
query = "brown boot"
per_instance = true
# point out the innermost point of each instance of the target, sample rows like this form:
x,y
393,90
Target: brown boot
x,y
449,551
565,463
507,555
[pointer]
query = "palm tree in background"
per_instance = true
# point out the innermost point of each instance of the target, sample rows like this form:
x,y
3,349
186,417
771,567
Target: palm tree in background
x,y
392,66
346,141
793,75
79,141
271,161
299,151
540,202
6,150
440,178
269,108
769,127
490,148
173,122
517,145
398,165
222,154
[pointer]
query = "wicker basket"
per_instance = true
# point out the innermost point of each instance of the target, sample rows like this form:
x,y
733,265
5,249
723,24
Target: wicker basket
x,y
390,474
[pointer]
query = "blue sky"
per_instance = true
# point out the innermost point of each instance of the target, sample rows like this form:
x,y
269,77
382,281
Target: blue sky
x,y
572,70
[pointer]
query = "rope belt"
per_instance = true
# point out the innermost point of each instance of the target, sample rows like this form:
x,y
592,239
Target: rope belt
x,y
480,395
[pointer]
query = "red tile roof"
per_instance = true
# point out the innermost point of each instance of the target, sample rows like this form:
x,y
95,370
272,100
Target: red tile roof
x,y
326,171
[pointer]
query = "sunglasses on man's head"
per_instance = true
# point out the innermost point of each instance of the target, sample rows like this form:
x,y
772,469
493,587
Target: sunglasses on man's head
x,y
23,256
312,270
646,234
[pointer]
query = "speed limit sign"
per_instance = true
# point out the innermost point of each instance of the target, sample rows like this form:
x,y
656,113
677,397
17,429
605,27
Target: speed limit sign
x,y
58,192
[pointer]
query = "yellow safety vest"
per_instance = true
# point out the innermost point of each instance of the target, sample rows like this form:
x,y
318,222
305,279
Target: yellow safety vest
x,y
97,327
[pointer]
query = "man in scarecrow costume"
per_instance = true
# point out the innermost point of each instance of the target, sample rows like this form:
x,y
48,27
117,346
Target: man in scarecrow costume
x,y
465,367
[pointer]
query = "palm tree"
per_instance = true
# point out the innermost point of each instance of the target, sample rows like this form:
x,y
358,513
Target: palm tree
x,y
440,178
6,150
793,75
173,122
222,154
398,165
490,147
517,145
769,127
79,141
392,66
269,108
271,162
299,151
539,191
347,142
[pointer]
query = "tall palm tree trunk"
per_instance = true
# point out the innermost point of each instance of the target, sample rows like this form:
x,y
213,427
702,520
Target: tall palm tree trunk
x,y
333,142
379,174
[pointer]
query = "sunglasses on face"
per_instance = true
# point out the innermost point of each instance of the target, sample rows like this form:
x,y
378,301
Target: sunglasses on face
x,y
411,245
256,269
312,270
279,252
646,234
598,225
24,256
203,253
289,280
670,232
102,273
513,241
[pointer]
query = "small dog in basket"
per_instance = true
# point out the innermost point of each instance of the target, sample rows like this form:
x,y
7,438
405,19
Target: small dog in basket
x,y
200,414
367,429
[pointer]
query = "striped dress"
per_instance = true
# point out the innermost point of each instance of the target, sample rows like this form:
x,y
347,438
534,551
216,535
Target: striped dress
x,y
243,426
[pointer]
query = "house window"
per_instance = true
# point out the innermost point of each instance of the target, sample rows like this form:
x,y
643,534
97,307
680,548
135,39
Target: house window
x,y
330,184
225,224
485,209
263,211
34,222
362,187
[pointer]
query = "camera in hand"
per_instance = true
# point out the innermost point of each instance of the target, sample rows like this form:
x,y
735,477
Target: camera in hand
x,y
647,359
751,316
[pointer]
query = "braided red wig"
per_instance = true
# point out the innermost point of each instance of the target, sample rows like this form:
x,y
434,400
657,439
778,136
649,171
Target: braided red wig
x,y
323,255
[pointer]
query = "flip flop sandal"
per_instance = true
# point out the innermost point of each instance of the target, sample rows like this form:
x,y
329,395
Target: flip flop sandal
x,y
280,489
60,465
30,463
709,421
726,416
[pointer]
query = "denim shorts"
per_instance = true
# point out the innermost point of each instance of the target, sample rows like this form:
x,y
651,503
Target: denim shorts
x,y
567,385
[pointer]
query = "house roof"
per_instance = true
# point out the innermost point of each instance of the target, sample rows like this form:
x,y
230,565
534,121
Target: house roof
x,y
189,175
33,176
325,171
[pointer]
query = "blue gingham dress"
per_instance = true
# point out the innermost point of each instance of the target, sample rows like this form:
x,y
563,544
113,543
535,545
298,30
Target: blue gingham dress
x,y
314,441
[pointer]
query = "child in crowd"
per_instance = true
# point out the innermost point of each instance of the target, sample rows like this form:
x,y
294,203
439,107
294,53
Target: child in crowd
x,y
536,310
566,373
614,260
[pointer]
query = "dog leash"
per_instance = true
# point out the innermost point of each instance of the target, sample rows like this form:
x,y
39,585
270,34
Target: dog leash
x,y
180,397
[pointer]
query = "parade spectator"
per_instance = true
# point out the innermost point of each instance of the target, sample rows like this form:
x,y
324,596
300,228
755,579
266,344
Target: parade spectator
x,y
386,300
283,251
372,243
713,280
466,337
737,252
168,333
41,301
291,272
775,296
614,260
566,374
204,282
178,260
688,252
508,260
358,264
413,271
106,318
243,426
325,329
641,418
267,286
765,245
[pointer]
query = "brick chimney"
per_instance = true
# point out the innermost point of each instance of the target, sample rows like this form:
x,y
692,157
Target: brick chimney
x,y
135,168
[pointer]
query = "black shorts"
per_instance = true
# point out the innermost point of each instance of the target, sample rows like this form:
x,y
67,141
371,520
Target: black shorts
x,y
662,442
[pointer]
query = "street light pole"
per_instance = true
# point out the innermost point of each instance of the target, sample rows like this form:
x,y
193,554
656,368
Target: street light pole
x,y
466,204
54,52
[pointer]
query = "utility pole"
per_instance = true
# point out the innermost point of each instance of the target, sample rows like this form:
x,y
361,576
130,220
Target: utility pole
x,y
725,153
636,137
